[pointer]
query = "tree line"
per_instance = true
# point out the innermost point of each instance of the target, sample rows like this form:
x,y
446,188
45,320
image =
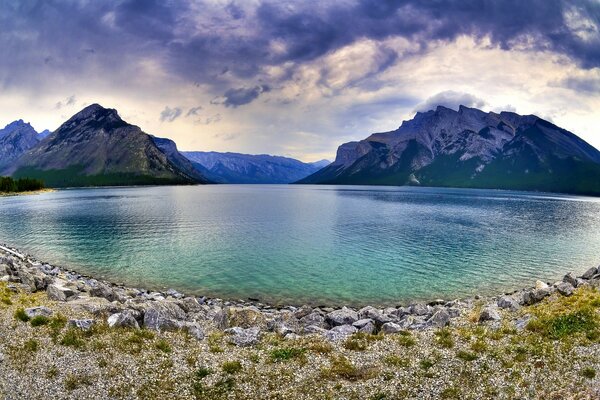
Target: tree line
x,y
10,185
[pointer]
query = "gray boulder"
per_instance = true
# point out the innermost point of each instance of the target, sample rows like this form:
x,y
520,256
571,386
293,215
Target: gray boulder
x,y
243,337
102,290
569,278
38,311
590,273
374,314
313,329
125,319
521,323
221,318
489,314
362,322
59,293
175,294
340,332
440,319
535,296
391,327
314,319
419,309
194,330
564,288
83,324
508,302
345,316
369,328
163,315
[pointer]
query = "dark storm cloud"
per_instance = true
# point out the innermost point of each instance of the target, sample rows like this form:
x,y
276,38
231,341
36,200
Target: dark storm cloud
x,y
197,42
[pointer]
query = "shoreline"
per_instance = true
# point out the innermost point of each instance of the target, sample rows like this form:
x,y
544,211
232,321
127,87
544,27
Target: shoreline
x,y
87,287
28,193
250,301
77,337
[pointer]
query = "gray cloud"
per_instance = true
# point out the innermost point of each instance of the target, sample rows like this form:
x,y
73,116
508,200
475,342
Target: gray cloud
x,y
193,111
241,96
450,99
587,85
170,114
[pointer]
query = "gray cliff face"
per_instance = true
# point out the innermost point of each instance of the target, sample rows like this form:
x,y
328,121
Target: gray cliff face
x,y
469,148
247,168
15,139
96,147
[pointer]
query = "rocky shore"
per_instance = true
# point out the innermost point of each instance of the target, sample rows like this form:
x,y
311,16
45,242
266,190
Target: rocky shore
x,y
208,333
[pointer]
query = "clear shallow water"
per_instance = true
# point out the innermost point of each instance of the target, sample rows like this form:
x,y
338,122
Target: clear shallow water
x,y
309,244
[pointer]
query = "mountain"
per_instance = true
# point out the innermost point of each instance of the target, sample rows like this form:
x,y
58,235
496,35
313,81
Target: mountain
x,y
247,168
169,147
44,134
15,139
469,148
96,147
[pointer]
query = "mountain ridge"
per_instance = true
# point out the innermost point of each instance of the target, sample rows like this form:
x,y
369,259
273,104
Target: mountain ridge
x,y
95,147
469,148
230,167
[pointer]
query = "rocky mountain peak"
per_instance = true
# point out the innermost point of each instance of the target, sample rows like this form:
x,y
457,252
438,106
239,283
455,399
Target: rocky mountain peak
x,y
96,117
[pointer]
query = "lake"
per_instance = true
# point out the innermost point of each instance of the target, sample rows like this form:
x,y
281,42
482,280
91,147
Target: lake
x,y
295,244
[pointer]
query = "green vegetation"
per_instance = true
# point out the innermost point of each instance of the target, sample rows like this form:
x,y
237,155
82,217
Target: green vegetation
x,y
287,353
21,315
163,346
588,372
31,345
231,367
465,355
10,185
39,320
444,338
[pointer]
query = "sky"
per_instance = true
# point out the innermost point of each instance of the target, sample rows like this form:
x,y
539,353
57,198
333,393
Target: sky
x,y
297,78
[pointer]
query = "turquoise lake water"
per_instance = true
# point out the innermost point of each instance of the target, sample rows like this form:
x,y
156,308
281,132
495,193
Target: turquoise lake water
x,y
309,244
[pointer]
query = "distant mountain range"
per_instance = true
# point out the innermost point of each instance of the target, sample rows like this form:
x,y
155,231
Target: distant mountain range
x,y
15,139
247,168
469,148
96,147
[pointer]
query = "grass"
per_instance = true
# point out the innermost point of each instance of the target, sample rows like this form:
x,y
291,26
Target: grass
x,y
73,338
202,372
466,356
426,363
231,367
444,338
214,342
21,315
163,346
396,361
31,345
588,372
74,381
39,320
341,367
287,353
405,339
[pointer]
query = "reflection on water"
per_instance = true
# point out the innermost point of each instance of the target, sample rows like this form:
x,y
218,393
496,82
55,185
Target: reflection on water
x,y
309,244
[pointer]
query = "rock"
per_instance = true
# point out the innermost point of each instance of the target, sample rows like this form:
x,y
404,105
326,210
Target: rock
x,y
489,314
163,315
369,328
521,323
314,319
313,329
564,288
1,357
156,296
38,311
102,290
340,332
391,327
589,273
419,309
175,294
59,293
243,337
303,312
345,316
362,322
535,296
508,303
195,330
190,305
220,318
83,324
541,285
569,278
36,281
407,321
437,302
453,311
123,319
440,319
247,317
374,314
